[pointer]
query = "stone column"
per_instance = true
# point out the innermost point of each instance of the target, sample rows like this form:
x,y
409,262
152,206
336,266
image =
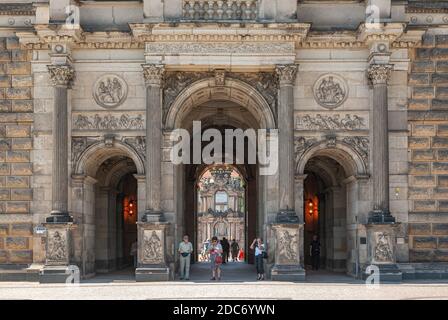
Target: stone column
x,y
287,75
153,75
61,76
379,75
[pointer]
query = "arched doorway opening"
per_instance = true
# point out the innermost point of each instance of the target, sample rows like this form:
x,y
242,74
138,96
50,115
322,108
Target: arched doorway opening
x,y
106,202
325,211
221,211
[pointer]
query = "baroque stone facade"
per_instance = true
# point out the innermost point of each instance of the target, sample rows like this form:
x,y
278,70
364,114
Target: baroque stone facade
x,y
87,111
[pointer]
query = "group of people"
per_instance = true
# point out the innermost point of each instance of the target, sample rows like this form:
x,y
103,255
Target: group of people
x,y
231,251
219,253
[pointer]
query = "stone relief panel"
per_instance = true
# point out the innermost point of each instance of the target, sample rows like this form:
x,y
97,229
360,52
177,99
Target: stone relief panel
x,y
287,245
360,145
383,248
56,246
219,10
330,91
110,91
109,121
153,247
138,144
331,121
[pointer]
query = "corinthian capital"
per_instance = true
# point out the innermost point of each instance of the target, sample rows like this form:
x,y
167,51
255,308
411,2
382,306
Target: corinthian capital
x,y
61,75
287,73
153,74
379,73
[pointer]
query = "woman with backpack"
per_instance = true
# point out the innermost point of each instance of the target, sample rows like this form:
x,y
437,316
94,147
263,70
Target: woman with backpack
x,y
260,254
215,251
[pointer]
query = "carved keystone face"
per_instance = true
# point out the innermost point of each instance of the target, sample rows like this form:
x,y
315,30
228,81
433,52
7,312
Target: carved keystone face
x,y
110,91
330,91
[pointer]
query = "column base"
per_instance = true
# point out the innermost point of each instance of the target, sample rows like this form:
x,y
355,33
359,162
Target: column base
x,y
389,273
287,216
288,273
380,216
153,216
59,217
152,274
54,274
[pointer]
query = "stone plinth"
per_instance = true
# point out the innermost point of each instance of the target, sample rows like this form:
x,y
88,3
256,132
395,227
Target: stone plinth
x,y
287,265
58,248
151,252
381,251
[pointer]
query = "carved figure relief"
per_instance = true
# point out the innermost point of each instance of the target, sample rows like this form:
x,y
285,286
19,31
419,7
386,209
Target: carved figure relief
x,y
361,145
383,251
57,246
152,251
139,145
110,91
287,245
121,121
330,91
330,122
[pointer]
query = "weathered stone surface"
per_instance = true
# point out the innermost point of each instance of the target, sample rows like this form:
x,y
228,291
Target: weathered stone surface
x,y
4,229
423,181
442,181
441,40
423,66
440,167
5,105
21,256
17,207
423,155
18,131
419,79
439,54
419,193
425,242
3,256
440,229
440,78
21,194
438,104
18,93
4,194
415,104
423,92
20,55
22,106
12,43
439,142
418,143
419,229
18,156
419,168
420,255
21,169
442,66
16,243
22,144
441,255
22,81
4,169
442,154
22,229
5,81
17,182
5,56
442,130
423,53
442,243
18,68
424,205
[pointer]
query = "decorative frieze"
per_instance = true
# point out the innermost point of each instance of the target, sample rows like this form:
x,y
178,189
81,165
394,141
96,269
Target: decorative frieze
x,y
379,73
198,10
110,91
138,144
360,145
330,91
331,121
109,121
61,75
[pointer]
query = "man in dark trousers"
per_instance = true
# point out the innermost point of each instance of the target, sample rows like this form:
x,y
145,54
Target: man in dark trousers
x,y
315,252
235,248
225,250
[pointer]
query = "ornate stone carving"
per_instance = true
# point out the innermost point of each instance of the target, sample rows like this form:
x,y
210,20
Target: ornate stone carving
x,y
110,91
383,251
286,73
220,77
331,141
301,144
361,145
139,145
330,91
287,246
118,121
175,82
61,75
198,10
56,246
79,144
379,73
321,121
158,48
153,74
153,250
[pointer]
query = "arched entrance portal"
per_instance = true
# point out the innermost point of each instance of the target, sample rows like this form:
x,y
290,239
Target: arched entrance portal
x,y
106,202
334,198
234,105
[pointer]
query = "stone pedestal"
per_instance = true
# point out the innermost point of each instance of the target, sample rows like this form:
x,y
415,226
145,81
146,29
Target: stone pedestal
x,y
151,252
287,265
58,248
381,251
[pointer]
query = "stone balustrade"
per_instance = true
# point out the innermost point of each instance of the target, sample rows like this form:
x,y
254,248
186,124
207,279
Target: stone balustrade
x,y
220,10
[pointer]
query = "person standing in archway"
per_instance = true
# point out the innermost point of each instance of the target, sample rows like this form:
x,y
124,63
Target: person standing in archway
x,y
225,250
215,251
185,250
315,252
260,254
235,249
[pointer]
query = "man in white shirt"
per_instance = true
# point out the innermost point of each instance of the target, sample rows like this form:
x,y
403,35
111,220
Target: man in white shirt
x,y
185,250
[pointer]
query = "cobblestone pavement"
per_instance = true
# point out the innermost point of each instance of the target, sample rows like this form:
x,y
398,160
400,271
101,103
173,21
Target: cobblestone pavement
x,y
237,283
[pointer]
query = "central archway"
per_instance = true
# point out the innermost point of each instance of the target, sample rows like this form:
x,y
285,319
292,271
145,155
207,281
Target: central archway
x,y
234,105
